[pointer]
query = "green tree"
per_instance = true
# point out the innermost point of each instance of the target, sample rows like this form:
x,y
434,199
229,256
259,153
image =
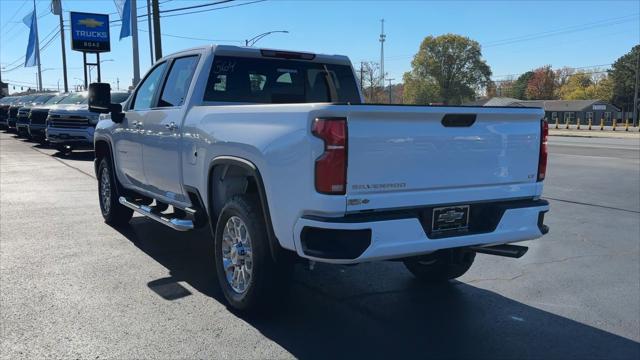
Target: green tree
x,y
623,77
448,69
519,88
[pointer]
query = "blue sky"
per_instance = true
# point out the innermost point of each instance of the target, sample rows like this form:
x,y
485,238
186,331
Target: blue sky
x,y
516,35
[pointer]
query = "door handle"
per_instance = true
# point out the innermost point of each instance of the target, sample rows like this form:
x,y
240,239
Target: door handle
x,y
137,124
171,126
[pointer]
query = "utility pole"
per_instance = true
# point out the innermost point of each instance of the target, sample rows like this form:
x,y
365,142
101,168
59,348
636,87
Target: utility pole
x,y
362,76
118,83
150,30
390,91
383,37
56,9
134,43
156,29
635,94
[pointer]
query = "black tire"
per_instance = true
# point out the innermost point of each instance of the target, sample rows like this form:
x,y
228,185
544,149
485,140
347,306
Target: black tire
x,y
441,265
268,280
63,149
113,212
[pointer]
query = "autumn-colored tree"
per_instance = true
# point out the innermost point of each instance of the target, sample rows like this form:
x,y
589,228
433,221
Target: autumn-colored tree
x,y
575,87
448,69
541,86
586,86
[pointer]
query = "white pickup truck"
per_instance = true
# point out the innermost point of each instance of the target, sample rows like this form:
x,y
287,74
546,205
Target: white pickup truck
x,y
278,154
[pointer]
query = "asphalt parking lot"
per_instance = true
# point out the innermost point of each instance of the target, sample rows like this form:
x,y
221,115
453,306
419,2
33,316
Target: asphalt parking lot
x,y
71,286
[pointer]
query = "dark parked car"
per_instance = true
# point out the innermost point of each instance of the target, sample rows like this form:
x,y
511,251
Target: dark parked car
x,y
38,116
12,112
22,120
5,103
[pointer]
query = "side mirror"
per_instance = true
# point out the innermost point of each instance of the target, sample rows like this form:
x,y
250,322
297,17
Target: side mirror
x,y
100,101
100,98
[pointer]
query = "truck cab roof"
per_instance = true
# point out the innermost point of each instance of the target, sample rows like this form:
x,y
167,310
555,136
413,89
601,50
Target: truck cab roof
x,y
231,50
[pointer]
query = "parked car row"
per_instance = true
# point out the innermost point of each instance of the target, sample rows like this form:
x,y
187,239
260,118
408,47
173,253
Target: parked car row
x,y
60,119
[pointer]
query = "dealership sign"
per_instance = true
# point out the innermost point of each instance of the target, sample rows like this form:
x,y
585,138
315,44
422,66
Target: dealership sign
x,y
90,32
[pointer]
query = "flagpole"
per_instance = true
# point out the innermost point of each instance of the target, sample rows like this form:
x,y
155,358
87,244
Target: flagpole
x,y
134,42
35,16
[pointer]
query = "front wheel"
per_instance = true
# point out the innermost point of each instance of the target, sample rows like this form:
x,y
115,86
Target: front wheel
x,y
247,274
113,212
442,265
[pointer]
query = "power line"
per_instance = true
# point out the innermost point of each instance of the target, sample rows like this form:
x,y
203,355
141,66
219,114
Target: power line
x,y
142,18
14,14
195,38
218,8
42,48
572,68
567,30
582,72
549,33
195,6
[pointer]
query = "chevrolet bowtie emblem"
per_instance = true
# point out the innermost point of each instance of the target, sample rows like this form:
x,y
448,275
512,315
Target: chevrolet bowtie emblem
x,y
451,216
90,22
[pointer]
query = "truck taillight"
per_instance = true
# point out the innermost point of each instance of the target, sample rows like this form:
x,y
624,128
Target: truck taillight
x,y
542,162
331,167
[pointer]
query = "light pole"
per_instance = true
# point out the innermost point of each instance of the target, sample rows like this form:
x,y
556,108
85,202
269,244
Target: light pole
x,y
80,82
91,68
39,78
390,90
255,39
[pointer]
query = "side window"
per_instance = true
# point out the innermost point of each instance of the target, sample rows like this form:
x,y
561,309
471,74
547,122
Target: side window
x,y
177,84
146,91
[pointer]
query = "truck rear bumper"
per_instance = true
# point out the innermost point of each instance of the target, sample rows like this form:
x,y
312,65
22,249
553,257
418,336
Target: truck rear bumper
x,y
398,234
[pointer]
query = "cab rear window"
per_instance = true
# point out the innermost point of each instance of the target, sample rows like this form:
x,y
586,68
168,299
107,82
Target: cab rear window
x,y
273,81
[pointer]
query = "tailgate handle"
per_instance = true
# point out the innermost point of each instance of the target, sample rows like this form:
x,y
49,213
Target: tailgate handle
x,y
458,120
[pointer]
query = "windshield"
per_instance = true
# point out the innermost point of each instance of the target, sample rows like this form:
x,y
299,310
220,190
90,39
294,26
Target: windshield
x,y
118,98
251,80
26,99
42,99
56,99
77,98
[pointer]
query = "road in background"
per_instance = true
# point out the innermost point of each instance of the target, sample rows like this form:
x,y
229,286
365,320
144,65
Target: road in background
x,y
71,286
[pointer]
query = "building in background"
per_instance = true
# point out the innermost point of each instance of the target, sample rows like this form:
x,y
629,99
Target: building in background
x,y
564,110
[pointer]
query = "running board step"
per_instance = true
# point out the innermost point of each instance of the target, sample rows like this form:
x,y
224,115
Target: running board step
x,y
145,210
512,251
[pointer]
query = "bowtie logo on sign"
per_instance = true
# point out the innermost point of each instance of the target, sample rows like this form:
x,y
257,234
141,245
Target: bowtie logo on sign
x,y
90,32
90,22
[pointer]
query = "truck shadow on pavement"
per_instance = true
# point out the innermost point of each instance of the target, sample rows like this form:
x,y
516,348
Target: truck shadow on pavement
x,y
379,310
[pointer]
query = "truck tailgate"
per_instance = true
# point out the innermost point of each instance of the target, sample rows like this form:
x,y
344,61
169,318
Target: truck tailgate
x,y
401,156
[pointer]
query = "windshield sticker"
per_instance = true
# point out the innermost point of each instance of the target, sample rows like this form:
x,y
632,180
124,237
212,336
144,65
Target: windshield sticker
x,y
225,66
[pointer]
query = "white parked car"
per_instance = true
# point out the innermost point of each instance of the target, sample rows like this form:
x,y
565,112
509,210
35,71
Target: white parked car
x,y
277,152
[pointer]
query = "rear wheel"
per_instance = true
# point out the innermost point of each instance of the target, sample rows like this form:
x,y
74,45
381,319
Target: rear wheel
x,y
442,265
248,276
113,212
